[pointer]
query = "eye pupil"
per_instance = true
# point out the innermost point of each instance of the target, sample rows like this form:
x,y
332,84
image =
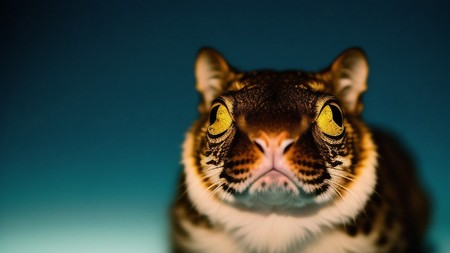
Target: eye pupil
x,y
330,120
213,114
337,115
219,120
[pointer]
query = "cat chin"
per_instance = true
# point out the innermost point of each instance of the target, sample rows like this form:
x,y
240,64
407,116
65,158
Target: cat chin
x,y
272,195
273,191
275,202
273,184
276,197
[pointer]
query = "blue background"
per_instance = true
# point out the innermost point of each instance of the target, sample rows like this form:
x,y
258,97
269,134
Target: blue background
x,y
95,98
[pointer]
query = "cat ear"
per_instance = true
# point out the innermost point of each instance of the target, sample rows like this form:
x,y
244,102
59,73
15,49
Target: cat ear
x,y
349,74
212,74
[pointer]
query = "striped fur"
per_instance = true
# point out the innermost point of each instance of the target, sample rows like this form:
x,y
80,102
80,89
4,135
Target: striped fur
x,y
277,181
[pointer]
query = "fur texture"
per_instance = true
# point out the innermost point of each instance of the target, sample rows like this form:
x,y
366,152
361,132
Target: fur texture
x,y
282,162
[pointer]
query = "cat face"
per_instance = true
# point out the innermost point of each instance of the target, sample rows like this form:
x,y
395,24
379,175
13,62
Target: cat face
x,y
277,140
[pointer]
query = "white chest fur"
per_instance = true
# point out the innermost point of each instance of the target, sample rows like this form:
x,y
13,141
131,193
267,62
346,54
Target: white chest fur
x,y
203,240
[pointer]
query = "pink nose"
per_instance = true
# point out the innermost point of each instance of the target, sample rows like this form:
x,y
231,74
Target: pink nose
x,y
273,146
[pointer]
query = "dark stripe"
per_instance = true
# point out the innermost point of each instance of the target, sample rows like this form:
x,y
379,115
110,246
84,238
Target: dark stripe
x,y
307,172
318,180
197,163
212,162
228,189
314,165
228,177
322,189
335,163
351,229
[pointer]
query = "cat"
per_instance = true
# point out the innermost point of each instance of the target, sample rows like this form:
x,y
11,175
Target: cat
x,y
283,162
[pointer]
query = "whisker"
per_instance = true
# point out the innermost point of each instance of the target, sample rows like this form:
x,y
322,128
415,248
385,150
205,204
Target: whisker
x,y
348,174
349,191
339,209
351,178
181,195
342,198
224,195
205,195
342,176
214,191
354,197
213,168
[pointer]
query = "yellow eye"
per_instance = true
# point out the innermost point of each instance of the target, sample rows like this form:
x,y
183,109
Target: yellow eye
x,y
330,120
219,120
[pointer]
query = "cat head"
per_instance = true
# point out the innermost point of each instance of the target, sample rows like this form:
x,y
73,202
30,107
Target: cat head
x,y
269,139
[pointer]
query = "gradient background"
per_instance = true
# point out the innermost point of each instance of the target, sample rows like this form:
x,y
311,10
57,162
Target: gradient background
x,y
95,98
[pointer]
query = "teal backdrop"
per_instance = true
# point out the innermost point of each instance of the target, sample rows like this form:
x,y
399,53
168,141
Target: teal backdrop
x,y
95,98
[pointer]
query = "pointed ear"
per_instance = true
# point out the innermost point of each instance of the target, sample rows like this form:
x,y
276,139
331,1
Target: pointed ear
x,y
349,74
212,74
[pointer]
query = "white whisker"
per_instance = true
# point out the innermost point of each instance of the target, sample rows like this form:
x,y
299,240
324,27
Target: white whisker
x,y
353,195
342,176
338,208
330,183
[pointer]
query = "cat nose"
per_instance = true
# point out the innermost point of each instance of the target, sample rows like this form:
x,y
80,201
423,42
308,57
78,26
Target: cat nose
x,y
275,144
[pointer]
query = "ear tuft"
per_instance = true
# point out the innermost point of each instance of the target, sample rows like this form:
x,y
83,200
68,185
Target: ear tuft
x,y
349,78
212,74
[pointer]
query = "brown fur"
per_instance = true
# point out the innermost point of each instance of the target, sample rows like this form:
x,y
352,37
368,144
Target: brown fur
x,y
268,107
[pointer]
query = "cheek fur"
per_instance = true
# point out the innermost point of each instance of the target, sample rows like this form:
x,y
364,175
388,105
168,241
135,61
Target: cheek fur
x,y
242,158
